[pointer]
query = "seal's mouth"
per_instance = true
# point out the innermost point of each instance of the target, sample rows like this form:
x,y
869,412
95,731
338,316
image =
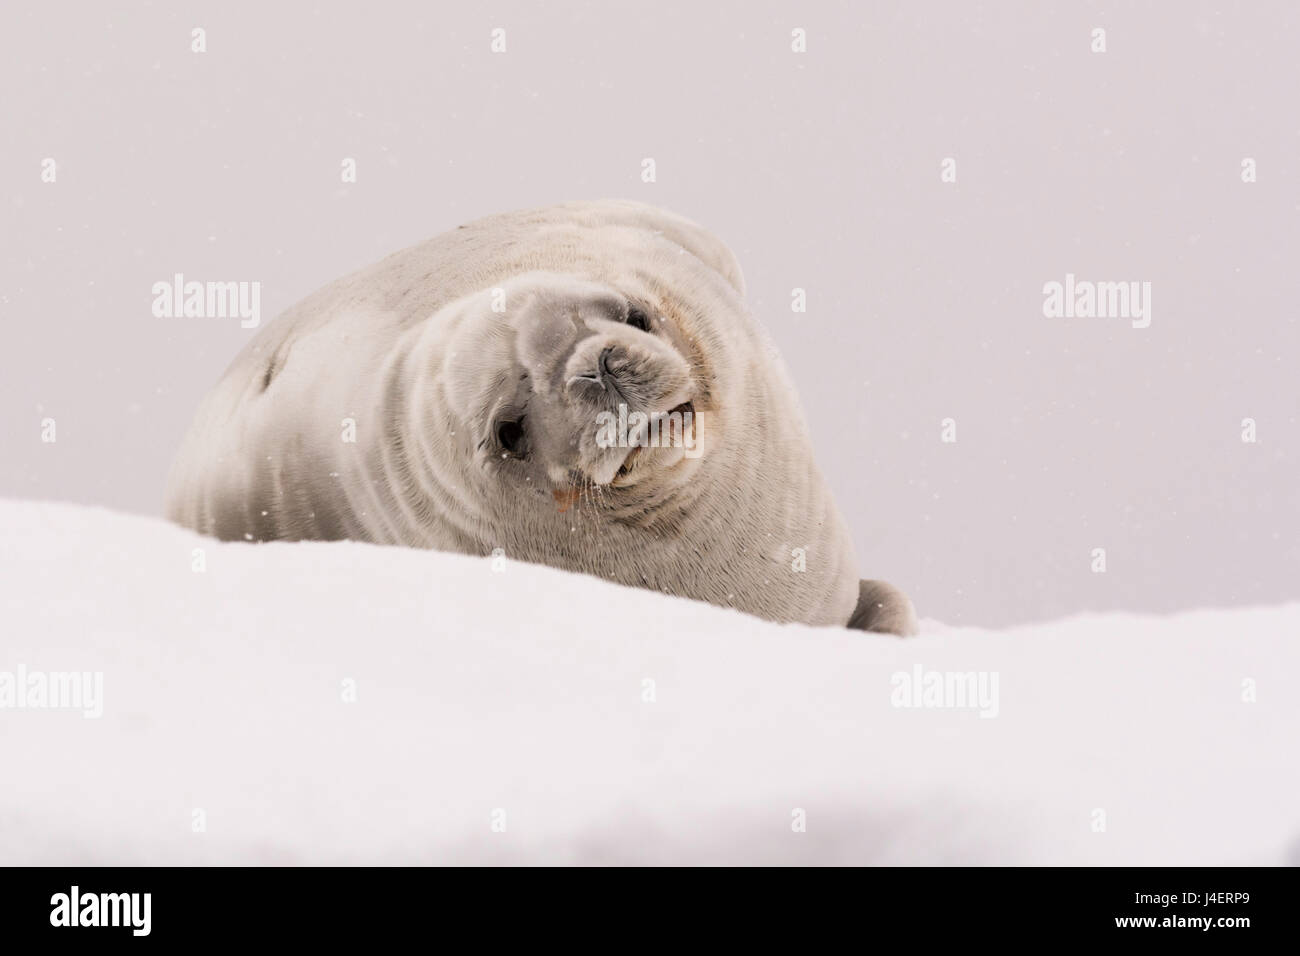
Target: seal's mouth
x,y
633,456
626,467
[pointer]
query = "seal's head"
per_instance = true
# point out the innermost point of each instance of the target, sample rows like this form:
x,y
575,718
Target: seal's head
x,y
563,386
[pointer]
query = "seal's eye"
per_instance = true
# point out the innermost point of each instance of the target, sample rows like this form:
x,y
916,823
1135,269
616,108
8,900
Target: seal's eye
x,y
638,319
510,436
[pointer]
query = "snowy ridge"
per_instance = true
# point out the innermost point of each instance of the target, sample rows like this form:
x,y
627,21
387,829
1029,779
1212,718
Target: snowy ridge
x,y
522,690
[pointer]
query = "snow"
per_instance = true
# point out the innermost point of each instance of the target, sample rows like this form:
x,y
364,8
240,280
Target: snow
x,y
520,690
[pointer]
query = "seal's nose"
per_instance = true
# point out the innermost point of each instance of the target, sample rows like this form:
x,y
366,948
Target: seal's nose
x,y
595,379
619,371
623,366
619,374
553,328
607,375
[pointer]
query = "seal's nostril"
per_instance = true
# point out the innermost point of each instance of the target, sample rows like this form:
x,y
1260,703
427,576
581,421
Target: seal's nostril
x,y
603,375
597,377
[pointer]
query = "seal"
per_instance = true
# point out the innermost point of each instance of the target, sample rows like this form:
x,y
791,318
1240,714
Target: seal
x,y
579,386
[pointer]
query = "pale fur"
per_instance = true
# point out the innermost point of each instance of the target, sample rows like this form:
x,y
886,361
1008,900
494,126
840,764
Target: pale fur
x,y
411,351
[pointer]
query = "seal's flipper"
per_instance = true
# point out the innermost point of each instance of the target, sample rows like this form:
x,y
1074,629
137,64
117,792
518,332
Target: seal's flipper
x,y
884,609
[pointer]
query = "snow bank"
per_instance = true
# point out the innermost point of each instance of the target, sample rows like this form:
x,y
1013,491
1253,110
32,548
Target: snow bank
x,y
505,716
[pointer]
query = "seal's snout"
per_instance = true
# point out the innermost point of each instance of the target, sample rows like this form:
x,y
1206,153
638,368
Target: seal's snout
x,y
604,372
617,373
616,382
586,356
599,380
